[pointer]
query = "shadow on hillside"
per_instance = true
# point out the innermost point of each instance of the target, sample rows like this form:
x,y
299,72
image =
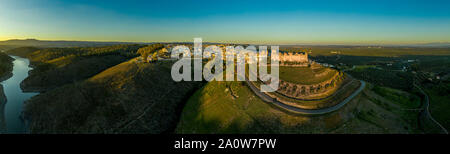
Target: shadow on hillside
x,y
254,117
129,98
47,76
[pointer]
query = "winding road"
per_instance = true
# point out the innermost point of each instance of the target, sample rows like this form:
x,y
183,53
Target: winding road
x,y
426,111
294,109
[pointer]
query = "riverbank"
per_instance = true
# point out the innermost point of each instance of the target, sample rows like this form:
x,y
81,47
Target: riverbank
x,y
11,110
6,68
6,76
2,95
2,107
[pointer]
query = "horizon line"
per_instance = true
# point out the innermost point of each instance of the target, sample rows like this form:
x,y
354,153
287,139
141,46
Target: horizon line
x,y
234,42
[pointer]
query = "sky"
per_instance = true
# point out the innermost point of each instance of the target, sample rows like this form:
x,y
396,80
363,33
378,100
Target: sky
x,y
229,21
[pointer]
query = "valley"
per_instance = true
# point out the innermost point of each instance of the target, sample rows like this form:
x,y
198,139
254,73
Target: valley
x,y
109,89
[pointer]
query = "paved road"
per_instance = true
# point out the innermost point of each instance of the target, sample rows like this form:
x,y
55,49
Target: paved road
x,y
427,110
269,99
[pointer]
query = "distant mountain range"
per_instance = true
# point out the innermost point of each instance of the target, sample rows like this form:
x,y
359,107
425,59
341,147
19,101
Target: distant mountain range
x,y
438,44
62,43
42,43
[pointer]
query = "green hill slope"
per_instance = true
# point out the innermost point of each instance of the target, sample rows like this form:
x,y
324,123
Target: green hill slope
x,y
54,67
128,98
231,107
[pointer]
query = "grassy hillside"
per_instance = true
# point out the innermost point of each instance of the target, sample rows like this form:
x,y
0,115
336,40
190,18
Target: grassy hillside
x,y
54,67
230,107
131,97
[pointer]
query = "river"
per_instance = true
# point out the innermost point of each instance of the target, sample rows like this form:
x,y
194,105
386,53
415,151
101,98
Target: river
x,y
12,110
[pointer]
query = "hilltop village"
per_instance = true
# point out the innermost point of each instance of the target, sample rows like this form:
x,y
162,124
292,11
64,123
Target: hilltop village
x,y
301,79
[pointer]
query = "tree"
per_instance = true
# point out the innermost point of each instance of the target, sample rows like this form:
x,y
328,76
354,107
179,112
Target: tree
x,y
149,50
154,57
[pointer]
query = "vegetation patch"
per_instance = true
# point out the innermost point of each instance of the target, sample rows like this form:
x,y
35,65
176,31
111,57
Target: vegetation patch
x,y
6,66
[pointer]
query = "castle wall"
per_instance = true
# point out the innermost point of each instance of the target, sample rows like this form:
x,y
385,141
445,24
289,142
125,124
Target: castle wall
x,y
293,57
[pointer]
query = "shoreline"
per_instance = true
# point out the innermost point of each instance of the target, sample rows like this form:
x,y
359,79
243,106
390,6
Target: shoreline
x,y
3,97
5,77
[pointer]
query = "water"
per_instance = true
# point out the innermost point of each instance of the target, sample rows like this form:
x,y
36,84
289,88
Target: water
x,y
12,110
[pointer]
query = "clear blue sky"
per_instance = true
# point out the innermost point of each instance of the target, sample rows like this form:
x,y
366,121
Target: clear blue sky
x,y
277,21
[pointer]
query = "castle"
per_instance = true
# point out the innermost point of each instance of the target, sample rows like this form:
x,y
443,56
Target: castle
x,y
293,57
285,58
290,57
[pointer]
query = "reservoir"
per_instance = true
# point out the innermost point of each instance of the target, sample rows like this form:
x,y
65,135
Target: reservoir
x,y
10,113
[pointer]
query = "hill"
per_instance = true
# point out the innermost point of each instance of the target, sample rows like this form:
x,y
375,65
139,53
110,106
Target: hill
x,y
131,97
231,107
54,67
